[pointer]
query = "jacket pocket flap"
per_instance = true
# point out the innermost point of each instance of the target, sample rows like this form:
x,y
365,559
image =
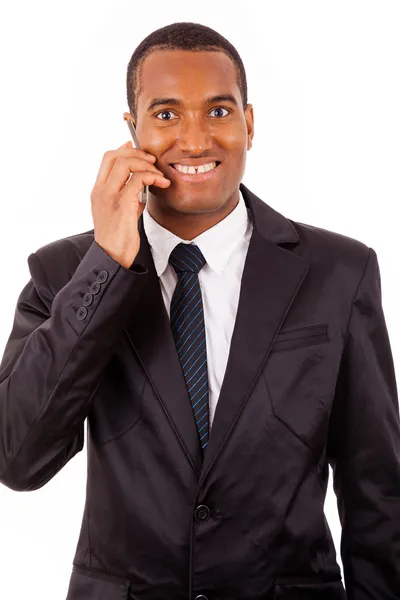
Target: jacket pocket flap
x,y
329,590
302,332
301,336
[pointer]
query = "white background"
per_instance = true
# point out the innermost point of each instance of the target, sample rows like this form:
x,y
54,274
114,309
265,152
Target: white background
x,y
323,78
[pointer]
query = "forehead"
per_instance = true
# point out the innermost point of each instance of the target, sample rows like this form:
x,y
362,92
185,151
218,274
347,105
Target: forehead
x,y
187,75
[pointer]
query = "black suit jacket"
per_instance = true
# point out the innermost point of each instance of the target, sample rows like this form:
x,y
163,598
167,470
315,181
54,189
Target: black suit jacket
x,y
309,382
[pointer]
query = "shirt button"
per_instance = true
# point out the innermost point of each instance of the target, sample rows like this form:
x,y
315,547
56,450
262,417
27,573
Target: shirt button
x,y
202,514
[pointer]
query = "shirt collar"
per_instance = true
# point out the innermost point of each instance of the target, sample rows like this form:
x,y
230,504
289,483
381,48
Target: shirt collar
x,y
216,243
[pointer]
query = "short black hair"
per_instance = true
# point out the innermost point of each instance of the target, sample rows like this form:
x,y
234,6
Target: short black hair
x,y
180,36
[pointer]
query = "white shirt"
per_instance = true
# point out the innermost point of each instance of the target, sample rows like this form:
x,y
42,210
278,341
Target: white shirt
x,y
224,247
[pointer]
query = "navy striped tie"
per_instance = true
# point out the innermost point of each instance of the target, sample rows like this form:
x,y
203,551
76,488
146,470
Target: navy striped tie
x,y
188,330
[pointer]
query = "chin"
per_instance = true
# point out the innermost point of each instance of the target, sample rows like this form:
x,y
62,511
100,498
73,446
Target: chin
x,y
193,206
191,203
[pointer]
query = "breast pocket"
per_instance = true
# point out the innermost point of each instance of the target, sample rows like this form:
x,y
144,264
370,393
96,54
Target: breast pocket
x,y
289,339
299,380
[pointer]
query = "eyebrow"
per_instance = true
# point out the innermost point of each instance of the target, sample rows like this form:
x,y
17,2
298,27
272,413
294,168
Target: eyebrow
x,y
175,102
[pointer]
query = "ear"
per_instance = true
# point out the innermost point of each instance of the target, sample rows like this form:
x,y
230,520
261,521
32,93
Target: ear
x,y
249,117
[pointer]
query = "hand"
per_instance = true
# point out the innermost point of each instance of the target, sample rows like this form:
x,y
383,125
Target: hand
x,y
116,208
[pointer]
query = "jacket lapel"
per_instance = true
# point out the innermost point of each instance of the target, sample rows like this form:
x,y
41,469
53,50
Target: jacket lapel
x,y
271,279
150,334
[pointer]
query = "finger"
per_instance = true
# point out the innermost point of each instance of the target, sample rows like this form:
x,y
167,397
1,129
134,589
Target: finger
x,y
123,168
135,152
138,180
110,156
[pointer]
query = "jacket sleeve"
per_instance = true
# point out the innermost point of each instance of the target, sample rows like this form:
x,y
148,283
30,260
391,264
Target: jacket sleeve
x,y
364,449
52,360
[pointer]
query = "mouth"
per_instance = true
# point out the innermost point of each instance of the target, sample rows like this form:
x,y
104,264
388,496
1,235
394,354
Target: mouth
x,y
195,173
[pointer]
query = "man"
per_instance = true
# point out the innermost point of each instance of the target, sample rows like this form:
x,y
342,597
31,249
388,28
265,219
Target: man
x,y
223,356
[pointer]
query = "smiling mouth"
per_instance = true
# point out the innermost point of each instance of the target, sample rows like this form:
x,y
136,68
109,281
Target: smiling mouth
x,y
195,169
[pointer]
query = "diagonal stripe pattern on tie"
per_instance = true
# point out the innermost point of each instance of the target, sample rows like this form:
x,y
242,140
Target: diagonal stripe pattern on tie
x,y
188,330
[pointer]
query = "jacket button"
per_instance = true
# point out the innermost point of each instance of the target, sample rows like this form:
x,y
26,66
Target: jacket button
x,y
81,313
102,276
87,299
201,597
95,287
202,514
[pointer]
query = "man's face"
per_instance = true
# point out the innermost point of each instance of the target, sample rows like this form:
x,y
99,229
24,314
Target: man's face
x,y
182,122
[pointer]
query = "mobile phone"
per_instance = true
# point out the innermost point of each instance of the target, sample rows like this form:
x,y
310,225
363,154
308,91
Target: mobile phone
x,y
144,196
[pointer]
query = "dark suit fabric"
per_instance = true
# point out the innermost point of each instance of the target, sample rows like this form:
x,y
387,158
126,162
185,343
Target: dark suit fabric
x,y
309,382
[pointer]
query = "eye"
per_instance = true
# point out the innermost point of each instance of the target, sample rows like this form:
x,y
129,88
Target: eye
x,y
164,112
220,108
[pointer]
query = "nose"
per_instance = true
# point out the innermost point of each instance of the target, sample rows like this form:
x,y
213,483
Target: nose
x,y
194,136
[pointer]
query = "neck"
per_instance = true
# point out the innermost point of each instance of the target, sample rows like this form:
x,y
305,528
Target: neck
x,y
188,226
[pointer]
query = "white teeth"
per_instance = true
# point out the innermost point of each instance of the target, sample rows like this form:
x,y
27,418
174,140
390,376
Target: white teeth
x,y
193,170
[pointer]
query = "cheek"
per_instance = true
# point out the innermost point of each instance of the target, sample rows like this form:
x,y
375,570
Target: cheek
x,y
151,140
235,143
238,151
155,144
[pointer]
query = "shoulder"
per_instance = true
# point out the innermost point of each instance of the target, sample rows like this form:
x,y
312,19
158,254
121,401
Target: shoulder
x,y
329,247
65,251
56,261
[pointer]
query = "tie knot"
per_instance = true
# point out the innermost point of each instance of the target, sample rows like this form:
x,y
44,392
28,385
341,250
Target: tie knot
x,y
187,257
